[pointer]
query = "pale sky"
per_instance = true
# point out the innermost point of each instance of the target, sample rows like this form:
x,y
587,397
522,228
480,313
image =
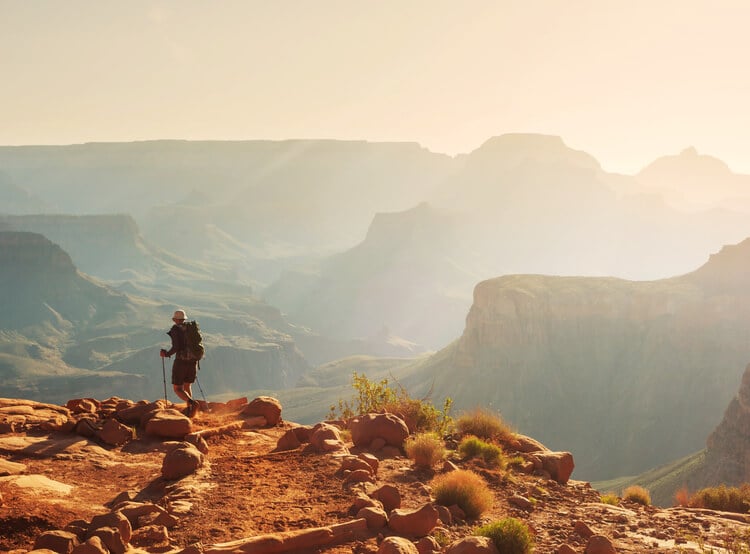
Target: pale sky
x,y
626,81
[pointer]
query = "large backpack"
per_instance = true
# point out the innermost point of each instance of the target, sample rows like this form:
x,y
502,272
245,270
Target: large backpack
x,y
193,341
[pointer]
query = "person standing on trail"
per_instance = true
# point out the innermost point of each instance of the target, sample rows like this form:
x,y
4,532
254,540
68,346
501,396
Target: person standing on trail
x,y
183,368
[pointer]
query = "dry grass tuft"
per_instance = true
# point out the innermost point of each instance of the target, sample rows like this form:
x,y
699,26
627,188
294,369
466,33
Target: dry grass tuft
x,y
424,449
464,488
510,535
723,498
484,424
636,493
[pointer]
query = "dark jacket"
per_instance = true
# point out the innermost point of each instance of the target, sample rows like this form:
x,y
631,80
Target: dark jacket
x,y
179,344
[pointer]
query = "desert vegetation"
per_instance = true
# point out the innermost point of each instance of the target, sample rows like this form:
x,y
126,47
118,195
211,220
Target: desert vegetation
x,y
636,493
425,449
491,454
382,396
722,497
610,498
464,488
483,423
510,535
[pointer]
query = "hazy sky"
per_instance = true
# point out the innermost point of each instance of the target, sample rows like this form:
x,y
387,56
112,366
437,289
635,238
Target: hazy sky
x,y
627,81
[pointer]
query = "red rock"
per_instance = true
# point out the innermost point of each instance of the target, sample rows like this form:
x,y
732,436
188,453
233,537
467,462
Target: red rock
x,y
181,461
92,545
113,519
369,427
376,517
427,545
599,544
472,545
323,432
264,406
111,539
115,433
583,530
566,549
559,465
168,424
287,441
151,535
417,523
359,476
522,443
389,496
397,545
62,542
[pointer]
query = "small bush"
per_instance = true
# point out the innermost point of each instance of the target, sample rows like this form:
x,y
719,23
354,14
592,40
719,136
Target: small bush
x,y
723,498
464,488
484,424
610,498
682,497
424,449
637,494
510,535
473,447
381,396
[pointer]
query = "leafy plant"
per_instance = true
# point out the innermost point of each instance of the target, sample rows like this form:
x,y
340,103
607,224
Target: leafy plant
x,y
492,454
510,535
636,493
484,424
465,489
380,396
726,499
424,449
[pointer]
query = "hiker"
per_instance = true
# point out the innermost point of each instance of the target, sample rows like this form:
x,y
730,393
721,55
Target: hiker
x,y
183,368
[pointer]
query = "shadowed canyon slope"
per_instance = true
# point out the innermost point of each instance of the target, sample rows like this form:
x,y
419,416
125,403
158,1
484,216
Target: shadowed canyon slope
x,y
62,332
626,374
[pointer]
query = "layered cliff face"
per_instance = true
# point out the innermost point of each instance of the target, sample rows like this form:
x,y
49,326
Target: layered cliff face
x,y
39,284
728,447
627,374
106,246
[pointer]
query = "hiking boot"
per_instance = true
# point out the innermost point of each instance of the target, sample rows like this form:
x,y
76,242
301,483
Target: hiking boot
x,y
192,407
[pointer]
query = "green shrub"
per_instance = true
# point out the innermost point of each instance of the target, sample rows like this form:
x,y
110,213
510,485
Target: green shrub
x,y
610,498
379,397
465,489
424,449
636,493
723,498
492,454
484,424
510,535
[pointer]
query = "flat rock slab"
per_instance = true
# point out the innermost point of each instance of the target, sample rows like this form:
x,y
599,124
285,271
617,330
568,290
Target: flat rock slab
x,y
65,447
11,468
37,484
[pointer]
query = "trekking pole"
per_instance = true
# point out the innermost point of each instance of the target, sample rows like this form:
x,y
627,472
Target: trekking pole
x,y
202,393
164,373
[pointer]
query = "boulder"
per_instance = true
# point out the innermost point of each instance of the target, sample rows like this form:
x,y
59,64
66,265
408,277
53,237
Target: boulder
x,y
472,545
11,468
151,535
353,463
397,545
417,523
133,415
387,495
264,406
388,427
428,545
115,433
115,520
323,432
287,441
599,544
359,476
558,464
111,539
168,424
82,406
62,542
92,545
181,461
522,443
376,517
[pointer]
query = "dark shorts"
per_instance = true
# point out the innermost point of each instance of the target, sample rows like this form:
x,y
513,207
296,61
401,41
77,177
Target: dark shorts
x,y
183,371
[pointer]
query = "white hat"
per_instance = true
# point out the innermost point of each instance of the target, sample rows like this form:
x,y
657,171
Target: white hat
x,y
179,314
